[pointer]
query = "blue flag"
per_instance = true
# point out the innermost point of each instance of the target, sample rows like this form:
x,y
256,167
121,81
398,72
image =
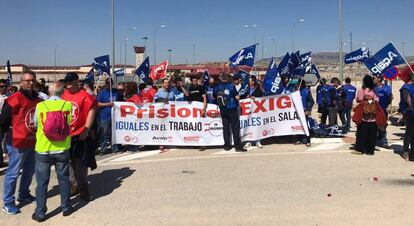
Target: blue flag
x,y
283,67
315,71
103,64
206,77
384,59
294,60
273,83
244,57
306,58
9,74
119,73
90,76
244,89
358,55
143,71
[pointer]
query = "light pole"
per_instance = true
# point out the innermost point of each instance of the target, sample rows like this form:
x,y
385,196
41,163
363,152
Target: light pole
x,y
293,27
274,43
194,49
169,56
155,42
341,44
145,46
132,28
113,39
403,48
56,46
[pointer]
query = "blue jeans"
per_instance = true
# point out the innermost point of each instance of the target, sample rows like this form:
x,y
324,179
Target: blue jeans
x,y
19,159
345,117
43,164
105,135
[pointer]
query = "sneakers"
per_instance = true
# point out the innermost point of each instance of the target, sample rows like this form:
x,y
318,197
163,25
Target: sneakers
x,y
67,212
259,145
28,199
37,218
241,149
405,155
247,145
10,209
356,153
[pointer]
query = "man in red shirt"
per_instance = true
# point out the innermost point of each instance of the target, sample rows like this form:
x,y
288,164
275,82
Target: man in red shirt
x,y
17,115
148,93
83,115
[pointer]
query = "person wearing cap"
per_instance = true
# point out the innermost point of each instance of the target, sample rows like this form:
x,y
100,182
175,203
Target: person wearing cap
x,y
83,115
14,115
105,103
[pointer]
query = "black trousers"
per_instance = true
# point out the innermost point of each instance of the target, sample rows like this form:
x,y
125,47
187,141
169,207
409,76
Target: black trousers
x,y
231,122
409,133
366,136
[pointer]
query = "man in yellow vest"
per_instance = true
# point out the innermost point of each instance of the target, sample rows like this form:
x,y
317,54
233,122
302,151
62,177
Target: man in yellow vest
x,y
52,148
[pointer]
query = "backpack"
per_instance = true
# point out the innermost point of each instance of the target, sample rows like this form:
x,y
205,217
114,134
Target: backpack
x,y
369,109
56,126
221,98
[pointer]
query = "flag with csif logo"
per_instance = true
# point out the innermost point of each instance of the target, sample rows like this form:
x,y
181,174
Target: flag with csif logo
x,y
283,67
358,55
244,57
384,59
102,64
159,71
143,71
273,83
119,72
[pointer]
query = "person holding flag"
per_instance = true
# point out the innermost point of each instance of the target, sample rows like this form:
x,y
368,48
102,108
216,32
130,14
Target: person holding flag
x,y
307,103
227,99
384,93
254,91
105,104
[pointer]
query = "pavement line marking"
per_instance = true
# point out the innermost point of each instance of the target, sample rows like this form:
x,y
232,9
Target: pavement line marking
x,y
135,156
325,147
225,156
327,140
110,158
233,151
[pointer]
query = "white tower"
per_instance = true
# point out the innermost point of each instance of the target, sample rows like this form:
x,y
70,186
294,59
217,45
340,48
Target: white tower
x,y
139,55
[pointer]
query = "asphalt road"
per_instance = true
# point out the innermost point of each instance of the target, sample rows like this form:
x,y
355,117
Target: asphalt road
x,y
281,184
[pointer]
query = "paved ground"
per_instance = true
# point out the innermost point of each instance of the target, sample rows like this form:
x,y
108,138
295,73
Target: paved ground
x,y
281,184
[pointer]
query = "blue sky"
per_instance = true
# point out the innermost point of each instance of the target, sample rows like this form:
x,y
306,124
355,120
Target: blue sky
x,y
82,28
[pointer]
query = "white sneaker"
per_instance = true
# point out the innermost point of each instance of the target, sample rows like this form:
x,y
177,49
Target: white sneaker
x,y
247,145
259,145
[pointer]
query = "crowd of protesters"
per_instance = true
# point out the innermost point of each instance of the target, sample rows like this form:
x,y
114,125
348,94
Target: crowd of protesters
x,y
86,112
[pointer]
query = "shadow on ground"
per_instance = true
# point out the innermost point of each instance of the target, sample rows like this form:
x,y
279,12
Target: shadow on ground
x,y
101,184
400,182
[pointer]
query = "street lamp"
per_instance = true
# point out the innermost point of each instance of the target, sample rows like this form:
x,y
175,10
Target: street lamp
x,y
155,42
56,46
274,43
145,46
341,44
132,28
169,56
403,48
293,27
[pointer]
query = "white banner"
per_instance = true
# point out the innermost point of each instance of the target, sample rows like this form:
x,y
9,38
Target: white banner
x,y
180,123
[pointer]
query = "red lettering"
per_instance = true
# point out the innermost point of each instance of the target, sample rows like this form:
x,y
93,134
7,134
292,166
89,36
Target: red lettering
x,y
151,111
126,109
245,108
140,112
213,113
183,112
284,102
162,113
271,104
197,112
259,106
173,110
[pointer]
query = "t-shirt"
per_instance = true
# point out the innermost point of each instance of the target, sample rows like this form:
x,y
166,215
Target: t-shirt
x,y
148,94
163,95
210,95
82,102
105,97
196,93
178,94
135,99
384,95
